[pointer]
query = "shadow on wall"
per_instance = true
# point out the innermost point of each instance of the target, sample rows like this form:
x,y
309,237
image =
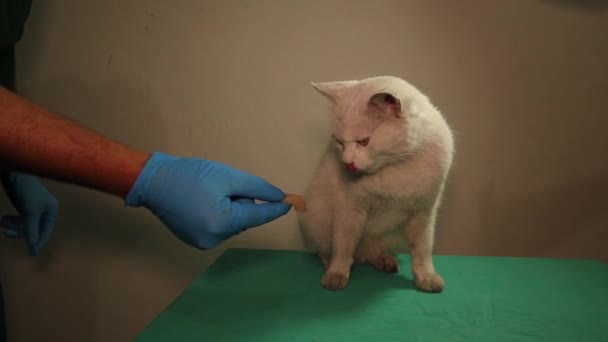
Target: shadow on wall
x,y
585,5
575,211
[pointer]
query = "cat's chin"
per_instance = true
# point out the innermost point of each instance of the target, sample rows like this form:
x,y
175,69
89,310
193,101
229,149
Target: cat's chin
x,y
361,172
375,168
369,171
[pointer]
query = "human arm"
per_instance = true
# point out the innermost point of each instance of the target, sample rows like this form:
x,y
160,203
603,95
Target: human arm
x,y
202,202
36,141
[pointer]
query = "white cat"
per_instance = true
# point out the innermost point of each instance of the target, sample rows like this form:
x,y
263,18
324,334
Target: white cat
x,y
380,182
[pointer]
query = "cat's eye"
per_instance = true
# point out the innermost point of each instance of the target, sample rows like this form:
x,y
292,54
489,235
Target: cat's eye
x,y
338,142
363,142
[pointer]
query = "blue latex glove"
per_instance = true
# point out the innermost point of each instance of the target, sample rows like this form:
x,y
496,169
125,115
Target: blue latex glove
x,y
37,209
204,202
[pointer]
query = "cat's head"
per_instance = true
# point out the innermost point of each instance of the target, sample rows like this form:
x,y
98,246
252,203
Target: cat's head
x,y
372,120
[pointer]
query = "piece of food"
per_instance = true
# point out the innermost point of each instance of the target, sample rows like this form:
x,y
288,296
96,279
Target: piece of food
x,y
296,201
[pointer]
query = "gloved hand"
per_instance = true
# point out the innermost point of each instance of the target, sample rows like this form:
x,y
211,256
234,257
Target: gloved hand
x,y
204,202
37,209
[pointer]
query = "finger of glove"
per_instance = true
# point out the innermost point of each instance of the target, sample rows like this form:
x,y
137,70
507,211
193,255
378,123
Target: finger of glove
x,y
13,222
245,216
254,187
32,229
14,234
47,227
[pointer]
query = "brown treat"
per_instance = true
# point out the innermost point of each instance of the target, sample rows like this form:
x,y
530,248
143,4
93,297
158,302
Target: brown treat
x,y
296,201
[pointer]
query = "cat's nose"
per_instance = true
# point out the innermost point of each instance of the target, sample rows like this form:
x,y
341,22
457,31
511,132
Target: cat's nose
x,y
351,167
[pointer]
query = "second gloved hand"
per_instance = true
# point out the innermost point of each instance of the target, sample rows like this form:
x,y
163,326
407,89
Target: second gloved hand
x,y
37,209
204,202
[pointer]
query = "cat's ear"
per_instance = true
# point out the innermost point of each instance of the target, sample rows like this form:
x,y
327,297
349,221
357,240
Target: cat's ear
x,y
333,90
386,103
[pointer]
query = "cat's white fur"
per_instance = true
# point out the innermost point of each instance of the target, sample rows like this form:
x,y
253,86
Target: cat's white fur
x,y
393,197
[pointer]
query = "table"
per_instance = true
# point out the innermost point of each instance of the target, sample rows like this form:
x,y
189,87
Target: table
x,y
273,295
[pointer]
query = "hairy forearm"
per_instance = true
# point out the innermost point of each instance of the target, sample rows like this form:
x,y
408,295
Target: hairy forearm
x,y
37,141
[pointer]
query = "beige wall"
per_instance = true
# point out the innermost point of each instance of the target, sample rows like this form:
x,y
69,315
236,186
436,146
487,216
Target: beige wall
x,y
524,85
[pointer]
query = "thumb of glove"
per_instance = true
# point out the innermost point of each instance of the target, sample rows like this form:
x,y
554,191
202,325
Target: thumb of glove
x,y
247,215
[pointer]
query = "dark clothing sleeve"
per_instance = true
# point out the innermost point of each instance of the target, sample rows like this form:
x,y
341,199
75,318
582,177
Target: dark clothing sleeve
x,y
13,14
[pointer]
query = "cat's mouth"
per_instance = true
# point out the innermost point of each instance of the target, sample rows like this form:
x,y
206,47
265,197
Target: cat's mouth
x,y
358,170
352,167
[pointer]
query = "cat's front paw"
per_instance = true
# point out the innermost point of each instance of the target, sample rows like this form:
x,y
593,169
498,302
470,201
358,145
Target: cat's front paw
x,y
430,282
334,281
